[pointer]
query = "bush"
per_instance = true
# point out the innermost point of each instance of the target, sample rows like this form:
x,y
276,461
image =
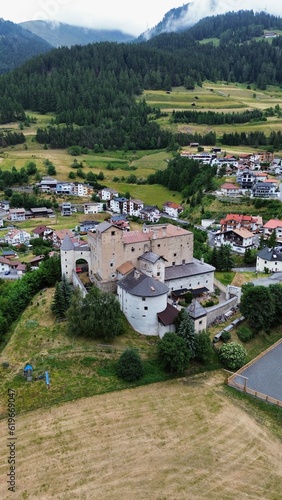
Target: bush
x,y
173,353
130,366
225,336
232,355
245,334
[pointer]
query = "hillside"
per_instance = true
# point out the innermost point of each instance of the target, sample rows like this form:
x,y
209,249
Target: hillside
x,y
62,34
17,45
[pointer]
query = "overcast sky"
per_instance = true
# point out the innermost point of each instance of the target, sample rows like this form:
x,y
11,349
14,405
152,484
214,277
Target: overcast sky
x,y
130,16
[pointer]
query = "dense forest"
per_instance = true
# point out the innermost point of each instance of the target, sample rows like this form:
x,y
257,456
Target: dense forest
x,y
17,45
95,86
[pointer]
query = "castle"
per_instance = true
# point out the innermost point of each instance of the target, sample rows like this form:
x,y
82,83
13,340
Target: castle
x,y
143,268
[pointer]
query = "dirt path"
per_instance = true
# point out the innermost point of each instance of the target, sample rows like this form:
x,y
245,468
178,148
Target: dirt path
x,y
173,440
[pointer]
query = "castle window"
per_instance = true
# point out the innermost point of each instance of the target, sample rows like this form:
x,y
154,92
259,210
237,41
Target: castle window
x,y
173,263
158,274
183,261
146,308
143,298
132,249
174,255
111,264
113,233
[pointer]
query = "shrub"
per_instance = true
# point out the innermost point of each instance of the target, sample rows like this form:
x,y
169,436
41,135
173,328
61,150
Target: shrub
x,y
173,353
232,355
225,336
130,366
245,334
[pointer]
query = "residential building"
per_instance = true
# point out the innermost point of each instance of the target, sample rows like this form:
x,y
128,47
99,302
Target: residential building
x,y
172,209
265,190
48,185
66,208
64,187
17,237
238,239
106,194
238,221
16,214
149,213
92,208
269,259
229,189
273,225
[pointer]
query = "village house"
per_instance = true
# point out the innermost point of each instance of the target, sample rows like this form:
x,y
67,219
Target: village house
x,y
47,185
273,225
229,189
5,205
39,212
238,221
64,187
150,214
118,205
5,265
106,194
238,239
17,237
270,260
172,209
92,208
87,225
16,214
41,231
265,190
80,189
66,208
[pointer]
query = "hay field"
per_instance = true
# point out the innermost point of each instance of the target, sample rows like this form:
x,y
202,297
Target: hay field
x,y
183,439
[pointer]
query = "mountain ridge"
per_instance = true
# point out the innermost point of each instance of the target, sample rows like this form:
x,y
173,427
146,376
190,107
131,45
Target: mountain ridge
x,y
59,34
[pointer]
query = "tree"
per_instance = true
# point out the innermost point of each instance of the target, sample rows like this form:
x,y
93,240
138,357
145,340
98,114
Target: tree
x,y
186,330
130,366
96,315
61,299
272,240
204,350
173,353
257,305
244,334
232,355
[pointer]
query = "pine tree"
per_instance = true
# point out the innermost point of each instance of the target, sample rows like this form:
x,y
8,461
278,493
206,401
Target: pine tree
x,y
61,299
186,330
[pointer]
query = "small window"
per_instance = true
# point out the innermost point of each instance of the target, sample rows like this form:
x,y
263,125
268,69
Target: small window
x,y
173,263
146,308
111,264
132,249
113,233
200,322
143,298
183,261
158,274
174,255
159,245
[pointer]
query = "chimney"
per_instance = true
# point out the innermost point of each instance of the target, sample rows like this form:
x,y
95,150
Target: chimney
x,y
136,274
202,260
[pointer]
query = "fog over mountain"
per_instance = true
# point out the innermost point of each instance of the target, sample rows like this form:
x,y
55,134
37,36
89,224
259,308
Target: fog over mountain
x,y
180,18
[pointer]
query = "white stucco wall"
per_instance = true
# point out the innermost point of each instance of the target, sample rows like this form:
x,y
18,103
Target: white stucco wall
x,y
197,281
272,266
142,320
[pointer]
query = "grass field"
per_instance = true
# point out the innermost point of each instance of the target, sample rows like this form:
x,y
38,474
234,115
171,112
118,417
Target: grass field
x,y
182,439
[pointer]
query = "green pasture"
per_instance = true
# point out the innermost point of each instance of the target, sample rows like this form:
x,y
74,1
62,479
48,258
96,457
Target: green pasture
x,y
78,367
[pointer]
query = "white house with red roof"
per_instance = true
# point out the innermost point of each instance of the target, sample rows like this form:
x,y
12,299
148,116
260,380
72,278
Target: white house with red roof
x,y
17,237
239,221
229,189
172,209
273,225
